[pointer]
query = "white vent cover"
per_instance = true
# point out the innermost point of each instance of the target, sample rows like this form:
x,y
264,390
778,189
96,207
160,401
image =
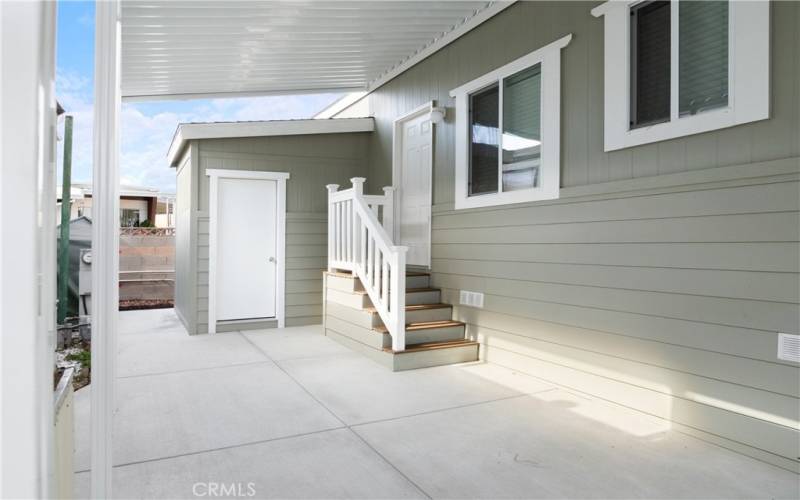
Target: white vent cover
x,y
788,347
472,299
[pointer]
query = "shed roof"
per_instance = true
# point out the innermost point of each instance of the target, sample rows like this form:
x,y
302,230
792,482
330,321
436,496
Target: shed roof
x,y
220,130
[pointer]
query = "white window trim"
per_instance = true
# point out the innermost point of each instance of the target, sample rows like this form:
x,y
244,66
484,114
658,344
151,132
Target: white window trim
x,y
280,243
549,57
749,76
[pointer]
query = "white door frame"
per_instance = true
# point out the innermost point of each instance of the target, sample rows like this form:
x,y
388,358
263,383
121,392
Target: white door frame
x,y
280,238
397,161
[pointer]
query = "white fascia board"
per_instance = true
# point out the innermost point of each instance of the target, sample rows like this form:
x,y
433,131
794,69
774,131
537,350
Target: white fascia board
x,y
191,131
340,105
135,97
473,22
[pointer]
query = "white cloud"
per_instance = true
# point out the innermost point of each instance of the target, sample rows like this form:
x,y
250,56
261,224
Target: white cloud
x,y
147,129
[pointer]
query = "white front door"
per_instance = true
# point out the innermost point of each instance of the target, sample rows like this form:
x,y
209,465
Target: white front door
x,y
246,248
415,185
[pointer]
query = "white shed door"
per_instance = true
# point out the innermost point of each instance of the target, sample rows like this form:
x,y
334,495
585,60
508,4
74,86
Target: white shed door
x,y
246,248
415,190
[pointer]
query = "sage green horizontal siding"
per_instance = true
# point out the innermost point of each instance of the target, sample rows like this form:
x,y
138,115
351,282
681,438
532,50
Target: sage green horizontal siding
x,y
303,296
600,303
661,277
313,162
527,26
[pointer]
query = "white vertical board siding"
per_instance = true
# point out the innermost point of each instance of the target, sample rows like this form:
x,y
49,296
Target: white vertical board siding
x,y
661,277
184,276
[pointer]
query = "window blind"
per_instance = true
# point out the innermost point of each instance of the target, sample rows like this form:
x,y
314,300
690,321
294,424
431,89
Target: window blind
x,y
703,56
484,111
650,63
522,129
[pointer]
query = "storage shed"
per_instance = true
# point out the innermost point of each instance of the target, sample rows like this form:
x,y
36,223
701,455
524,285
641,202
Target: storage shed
x,y
259,187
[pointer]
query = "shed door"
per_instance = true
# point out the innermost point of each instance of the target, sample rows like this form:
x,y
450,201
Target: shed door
x,y
415,190
246,248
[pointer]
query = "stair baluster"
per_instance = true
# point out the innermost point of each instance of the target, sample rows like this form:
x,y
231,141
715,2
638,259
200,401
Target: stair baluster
x,y
360,229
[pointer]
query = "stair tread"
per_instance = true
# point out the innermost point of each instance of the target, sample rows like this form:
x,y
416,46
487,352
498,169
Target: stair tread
x,y
415,307
341,274
408,290
417,273
425,325
430,346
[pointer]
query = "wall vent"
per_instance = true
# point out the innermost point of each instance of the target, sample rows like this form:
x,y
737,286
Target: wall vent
x,y
472,299
788,347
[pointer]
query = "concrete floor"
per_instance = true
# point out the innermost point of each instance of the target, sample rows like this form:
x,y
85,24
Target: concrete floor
x,y
289,413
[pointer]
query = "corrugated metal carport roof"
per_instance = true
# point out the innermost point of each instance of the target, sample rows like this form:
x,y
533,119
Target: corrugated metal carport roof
x,y
201,48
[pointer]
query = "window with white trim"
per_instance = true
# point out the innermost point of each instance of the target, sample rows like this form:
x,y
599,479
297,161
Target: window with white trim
x,y
675,68
507,132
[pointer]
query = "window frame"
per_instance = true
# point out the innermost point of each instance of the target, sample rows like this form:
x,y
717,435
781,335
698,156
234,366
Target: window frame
x,y
748,75
549,57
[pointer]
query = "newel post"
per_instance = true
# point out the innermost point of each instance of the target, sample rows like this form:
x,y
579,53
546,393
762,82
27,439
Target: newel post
x,y
388,210
332,188
358,185
397,294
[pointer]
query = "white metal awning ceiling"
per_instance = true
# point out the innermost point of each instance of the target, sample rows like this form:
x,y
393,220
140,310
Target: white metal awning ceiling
x,y
198,48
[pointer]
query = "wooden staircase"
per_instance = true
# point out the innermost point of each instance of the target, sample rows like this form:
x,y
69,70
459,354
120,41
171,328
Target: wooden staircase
x,y
432,337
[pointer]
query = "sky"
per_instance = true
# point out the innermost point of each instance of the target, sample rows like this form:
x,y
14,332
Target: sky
x,y
147,127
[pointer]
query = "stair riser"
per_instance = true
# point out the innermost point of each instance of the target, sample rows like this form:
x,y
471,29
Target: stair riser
x,y
437,357
344,284
430,297
429,335
364,336
349,299
418,281
358,317
410,360
433,335
354,284
421,316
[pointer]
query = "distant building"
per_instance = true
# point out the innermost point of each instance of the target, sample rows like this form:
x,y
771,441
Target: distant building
x,y
137,205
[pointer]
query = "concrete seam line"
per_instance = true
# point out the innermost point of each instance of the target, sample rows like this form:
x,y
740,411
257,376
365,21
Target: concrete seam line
x,y
188,370
451,408
221,448
390,464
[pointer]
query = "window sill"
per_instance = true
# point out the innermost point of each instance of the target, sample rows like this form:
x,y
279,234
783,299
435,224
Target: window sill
x,y
507,198
708,121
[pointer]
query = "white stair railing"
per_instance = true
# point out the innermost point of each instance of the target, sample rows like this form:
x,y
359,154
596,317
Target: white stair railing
x,y
359,229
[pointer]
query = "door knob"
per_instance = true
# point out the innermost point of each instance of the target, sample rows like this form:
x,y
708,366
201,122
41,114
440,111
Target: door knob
x,y
272,259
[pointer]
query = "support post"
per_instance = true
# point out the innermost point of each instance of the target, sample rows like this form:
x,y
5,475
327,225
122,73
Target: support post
x,y
332,188
105,240
66,208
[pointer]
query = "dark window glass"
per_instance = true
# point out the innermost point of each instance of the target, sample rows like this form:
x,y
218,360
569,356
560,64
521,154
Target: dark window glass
x,y
484,107
703,59
650,63
522,145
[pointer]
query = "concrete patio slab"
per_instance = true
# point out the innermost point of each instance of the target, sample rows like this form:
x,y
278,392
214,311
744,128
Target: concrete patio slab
x,y
318,422
332,464
359,390
185,412
558,445
172,350
295,342
149,320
